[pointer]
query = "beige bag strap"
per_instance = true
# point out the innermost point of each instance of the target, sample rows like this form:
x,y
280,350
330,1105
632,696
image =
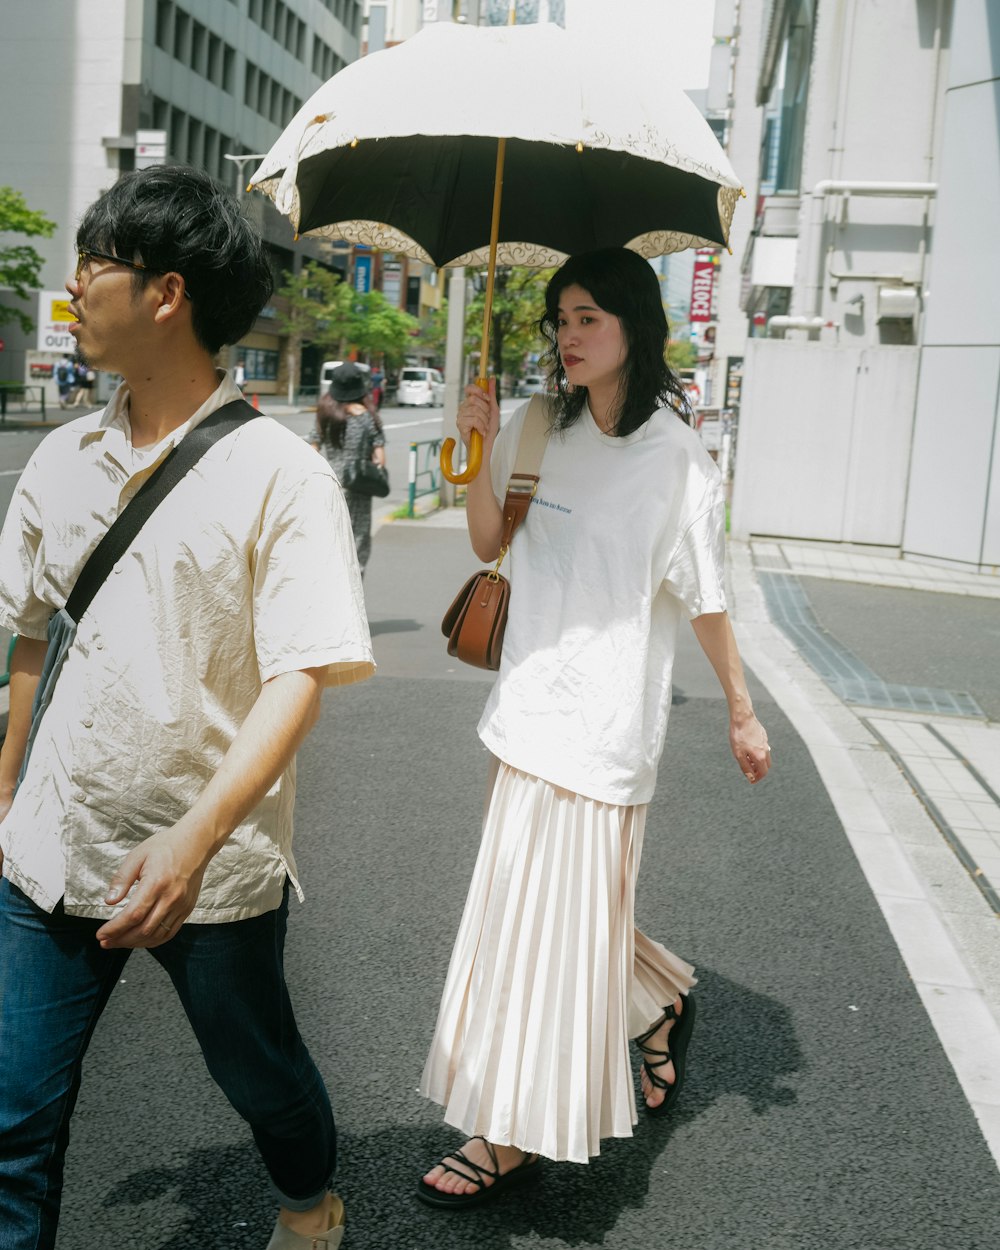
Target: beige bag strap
x,y
534,439
521,487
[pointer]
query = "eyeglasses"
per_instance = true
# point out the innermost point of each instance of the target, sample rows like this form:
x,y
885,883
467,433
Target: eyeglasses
x,y
86,254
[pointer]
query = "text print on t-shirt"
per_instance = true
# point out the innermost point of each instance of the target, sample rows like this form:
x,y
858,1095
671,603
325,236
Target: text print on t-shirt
x,y
545,503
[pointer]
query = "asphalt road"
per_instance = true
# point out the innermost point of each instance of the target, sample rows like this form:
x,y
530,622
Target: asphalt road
x,y
820,1113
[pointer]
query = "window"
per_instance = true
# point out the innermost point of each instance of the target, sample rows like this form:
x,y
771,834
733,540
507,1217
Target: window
x,y
195,141
260,364
182,36
199,43
228,80
250,86
164,24
797,59
178,134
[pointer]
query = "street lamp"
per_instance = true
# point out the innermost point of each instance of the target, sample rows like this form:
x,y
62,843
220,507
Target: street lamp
x,y
240,161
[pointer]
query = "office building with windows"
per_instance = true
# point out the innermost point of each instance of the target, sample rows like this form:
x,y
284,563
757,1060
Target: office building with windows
x,y
94,88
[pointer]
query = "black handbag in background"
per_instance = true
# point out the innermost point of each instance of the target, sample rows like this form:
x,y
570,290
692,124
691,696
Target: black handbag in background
x,y
365,477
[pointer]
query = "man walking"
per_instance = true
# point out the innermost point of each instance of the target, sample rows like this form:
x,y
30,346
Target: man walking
x,y
155,805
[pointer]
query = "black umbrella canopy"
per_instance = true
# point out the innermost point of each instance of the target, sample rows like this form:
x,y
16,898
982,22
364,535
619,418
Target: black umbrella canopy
x,y
437,191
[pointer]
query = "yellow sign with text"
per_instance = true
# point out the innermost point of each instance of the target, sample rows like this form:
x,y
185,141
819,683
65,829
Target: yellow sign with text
x,y
60,311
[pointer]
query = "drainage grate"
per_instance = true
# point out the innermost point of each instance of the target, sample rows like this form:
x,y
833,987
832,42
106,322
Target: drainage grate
x,y
850,678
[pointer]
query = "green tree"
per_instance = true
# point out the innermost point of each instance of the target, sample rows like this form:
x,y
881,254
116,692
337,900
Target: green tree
x,y
518,303
377,328
317,310
20,264
433,336
681,354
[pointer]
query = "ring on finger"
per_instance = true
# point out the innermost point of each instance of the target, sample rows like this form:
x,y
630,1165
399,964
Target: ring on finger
x,y
165,925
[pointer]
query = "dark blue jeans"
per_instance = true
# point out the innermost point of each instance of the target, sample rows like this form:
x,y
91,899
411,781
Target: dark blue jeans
x,y
54,983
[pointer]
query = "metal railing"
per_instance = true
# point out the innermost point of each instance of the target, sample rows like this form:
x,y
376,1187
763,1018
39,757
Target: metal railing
x,y
425,478
23,391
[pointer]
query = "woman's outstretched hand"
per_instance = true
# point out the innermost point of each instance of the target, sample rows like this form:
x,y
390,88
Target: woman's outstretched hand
x,y
479,411
748,740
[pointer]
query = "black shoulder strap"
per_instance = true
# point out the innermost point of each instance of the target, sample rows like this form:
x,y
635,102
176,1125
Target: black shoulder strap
x,y
150,495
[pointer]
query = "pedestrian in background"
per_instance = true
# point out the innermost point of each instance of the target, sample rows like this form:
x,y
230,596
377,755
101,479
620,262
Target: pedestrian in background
x,y
549,978
348,429
155,806
65,380
240,374
85,378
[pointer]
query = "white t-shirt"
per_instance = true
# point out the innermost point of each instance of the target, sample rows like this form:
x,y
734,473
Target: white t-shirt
x,y
623,538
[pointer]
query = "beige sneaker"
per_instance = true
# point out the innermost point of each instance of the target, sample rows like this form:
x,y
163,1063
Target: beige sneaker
x,y
284,1239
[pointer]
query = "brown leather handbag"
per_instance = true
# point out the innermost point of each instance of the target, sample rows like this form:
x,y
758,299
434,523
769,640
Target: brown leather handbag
x,y
474,624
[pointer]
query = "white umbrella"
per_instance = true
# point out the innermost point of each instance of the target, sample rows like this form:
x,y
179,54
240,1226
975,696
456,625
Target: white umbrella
x,y
399,151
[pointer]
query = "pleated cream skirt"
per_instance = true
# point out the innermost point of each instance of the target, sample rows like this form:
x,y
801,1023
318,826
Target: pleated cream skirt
x,y
549,978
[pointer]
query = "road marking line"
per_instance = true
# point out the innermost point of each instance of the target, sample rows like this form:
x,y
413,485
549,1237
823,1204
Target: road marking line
x,y
405,425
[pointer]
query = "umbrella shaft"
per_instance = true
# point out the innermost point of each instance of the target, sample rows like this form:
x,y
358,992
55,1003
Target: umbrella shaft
x,y
491,271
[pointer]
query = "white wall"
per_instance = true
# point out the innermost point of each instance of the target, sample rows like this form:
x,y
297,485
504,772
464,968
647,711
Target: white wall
x,y
953,508
824,440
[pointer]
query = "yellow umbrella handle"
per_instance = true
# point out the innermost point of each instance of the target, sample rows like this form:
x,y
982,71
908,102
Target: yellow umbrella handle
x,y
475,461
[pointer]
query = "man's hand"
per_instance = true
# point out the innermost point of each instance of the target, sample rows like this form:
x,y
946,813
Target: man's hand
x,y
162,878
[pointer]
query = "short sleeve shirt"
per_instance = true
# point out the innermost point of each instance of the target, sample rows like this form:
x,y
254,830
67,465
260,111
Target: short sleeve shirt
x,y
246,571
624,539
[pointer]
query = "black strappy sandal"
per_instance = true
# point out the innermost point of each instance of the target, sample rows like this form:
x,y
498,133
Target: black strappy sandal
x,y
479,1174
676,1052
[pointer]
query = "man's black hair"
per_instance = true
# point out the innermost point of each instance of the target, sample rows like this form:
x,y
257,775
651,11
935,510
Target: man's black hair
x,y
620,282
176,219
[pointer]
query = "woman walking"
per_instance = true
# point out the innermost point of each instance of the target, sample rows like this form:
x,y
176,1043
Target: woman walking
x,y
549,978
347,431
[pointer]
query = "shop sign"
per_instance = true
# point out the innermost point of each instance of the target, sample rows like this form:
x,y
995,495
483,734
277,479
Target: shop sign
x,y
54,320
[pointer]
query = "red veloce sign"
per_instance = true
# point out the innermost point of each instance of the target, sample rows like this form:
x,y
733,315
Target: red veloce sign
x,y
701,289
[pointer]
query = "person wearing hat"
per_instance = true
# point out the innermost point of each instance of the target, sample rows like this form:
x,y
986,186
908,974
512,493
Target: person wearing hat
x,y
348,430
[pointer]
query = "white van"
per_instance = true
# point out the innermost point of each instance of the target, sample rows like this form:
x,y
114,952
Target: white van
x,y
420,388
327,368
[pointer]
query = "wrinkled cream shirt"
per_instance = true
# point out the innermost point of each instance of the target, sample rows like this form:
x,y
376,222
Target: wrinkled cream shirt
x,y
247,570
624,539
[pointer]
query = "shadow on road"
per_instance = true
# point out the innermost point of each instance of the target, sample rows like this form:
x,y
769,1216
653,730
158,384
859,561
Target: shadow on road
x,y
394,627
572,1206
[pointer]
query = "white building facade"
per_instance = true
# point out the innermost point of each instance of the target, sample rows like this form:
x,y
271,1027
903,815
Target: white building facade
x,y
862,286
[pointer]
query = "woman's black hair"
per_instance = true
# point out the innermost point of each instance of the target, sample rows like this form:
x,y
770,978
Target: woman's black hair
x,y
332,418
620,282
176,219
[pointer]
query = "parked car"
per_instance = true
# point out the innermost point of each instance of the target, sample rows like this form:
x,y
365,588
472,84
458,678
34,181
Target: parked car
x,y
531,384
420,388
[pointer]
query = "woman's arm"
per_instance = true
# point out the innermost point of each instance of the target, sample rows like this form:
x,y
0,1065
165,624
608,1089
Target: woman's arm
x,y
479,411
747,737
378,442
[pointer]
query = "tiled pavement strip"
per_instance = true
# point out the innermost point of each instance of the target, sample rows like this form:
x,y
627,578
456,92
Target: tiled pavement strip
x,y
917,792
